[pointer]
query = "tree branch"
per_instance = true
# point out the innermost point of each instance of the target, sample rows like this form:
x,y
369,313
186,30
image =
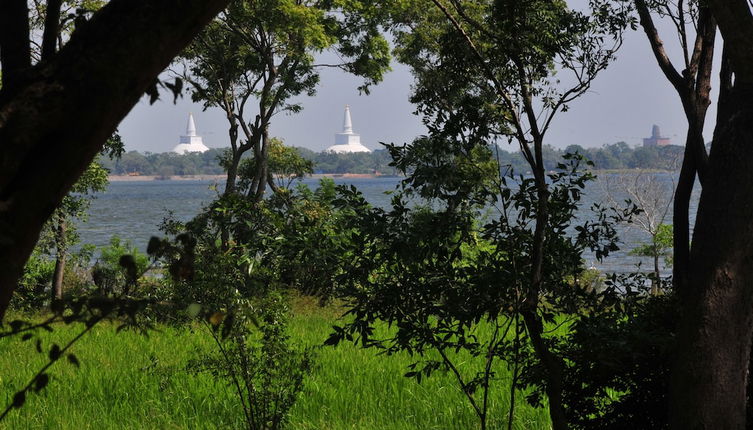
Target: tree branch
x,y
51,28
15,51
657,46
736,24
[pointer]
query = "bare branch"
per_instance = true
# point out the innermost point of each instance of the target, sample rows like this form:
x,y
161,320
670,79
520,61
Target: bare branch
x,y
657,46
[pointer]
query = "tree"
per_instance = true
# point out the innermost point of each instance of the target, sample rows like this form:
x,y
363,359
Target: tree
x,y
445,283
484,71
263,51
711,276
74,206
693,86
60,229
53,122
710,371
653,196
659,247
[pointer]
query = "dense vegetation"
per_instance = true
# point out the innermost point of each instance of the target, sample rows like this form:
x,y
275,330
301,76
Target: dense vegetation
x,y
611,156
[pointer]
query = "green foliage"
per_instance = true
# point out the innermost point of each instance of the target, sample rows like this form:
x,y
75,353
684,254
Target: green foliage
x,y
265,372
618,360
661,246
33,289
442,170
435,276
520,53
111,273
288,33
607,157
291,240
264,51
285,164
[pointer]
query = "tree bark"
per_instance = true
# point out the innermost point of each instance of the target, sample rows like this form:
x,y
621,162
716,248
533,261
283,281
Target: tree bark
x,y
551,362
681,215
55,122
15,50
51,28
60,255
657,274
232,172
708,385
553,366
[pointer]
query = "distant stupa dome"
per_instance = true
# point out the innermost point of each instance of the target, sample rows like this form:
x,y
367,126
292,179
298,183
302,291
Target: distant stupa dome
x,y
347,141
190,142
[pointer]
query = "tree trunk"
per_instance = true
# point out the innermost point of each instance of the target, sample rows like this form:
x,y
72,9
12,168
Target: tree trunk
x,y
708,386
56,120
680,218
657,275
262,168
553,367
232,173
60,255
552,364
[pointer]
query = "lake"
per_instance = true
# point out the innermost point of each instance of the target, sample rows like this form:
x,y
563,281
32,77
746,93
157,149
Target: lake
x,y
134,210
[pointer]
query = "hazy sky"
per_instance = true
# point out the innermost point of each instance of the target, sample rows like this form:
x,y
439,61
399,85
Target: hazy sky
x,y
622,105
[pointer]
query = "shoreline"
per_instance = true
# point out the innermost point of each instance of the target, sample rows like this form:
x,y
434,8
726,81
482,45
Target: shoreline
x,y
137,178
141,178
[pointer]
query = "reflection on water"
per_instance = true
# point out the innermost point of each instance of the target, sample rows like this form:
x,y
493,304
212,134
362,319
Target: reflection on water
x,y
134,211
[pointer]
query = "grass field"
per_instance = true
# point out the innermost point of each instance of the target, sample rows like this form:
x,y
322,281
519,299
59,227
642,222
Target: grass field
x,y
129,381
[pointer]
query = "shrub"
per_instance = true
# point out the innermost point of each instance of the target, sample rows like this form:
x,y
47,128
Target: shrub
x,y
262,368
34,288
108,273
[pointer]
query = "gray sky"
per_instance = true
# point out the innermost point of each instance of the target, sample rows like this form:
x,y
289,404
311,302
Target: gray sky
x,y
622,105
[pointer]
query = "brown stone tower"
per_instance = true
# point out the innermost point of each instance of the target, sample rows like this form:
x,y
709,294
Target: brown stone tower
x,y
656,138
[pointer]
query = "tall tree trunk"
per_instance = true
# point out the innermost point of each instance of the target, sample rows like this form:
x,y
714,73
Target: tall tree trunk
x,y
60,256
708,385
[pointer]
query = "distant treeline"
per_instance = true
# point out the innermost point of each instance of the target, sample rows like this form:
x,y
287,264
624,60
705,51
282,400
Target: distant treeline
x,y
612,156
165,164
170,164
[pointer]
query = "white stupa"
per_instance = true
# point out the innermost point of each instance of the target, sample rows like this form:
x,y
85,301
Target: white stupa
x,y
191,142
347,141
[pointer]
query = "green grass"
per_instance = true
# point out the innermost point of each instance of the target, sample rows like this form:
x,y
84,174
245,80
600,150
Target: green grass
x,y
127,380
